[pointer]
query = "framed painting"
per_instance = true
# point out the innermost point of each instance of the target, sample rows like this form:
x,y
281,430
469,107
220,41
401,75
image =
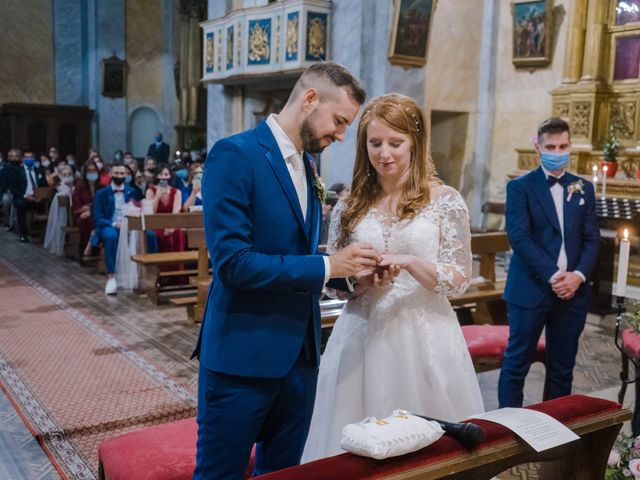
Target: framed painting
x,y
113,77
531,29
410,32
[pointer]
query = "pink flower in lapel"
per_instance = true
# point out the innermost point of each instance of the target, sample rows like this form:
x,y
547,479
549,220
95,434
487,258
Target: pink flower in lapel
x,y
575,187
321,191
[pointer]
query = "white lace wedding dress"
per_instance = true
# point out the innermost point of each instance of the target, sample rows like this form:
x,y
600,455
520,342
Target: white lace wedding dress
x,y
400,346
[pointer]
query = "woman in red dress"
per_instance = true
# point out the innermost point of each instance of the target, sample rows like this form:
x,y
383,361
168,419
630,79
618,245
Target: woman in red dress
x,y
82,199
166,199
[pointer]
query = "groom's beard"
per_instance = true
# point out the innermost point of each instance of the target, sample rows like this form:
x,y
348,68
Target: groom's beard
x,y
308,134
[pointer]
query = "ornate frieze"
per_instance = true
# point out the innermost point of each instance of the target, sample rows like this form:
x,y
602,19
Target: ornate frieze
x,y
623,118
280,37
581,119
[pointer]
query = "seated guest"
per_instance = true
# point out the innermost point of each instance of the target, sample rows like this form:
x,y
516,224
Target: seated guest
x,y
195,198
57,218
182,179
166,199
108,212
23,183
104,176
82,200
14,158
129,181
49,170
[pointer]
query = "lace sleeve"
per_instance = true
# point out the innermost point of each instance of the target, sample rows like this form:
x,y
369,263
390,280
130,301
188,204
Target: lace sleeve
x,y
334,229
454,257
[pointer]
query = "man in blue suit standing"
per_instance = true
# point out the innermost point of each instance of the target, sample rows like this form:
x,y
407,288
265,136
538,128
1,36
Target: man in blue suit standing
x,y
260,337
108,212
553,230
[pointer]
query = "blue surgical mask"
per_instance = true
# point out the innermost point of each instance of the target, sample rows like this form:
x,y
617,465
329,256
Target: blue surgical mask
x,y
92,177
554,161
183,174
158,139
29,162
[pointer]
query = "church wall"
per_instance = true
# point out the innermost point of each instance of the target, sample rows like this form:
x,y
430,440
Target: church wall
x,y
26,56
522,97
149,45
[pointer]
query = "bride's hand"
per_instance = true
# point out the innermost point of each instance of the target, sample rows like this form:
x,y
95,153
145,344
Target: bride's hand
x,y
393,260
377,277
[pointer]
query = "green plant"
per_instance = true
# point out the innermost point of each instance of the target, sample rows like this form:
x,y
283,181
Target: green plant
x,y
633,319
611,145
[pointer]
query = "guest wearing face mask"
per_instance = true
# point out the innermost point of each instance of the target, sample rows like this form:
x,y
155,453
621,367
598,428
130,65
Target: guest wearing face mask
x,y
553,230
104,177
108,212
195,197
48,169
166,199
158,149
82,200
137,192
23,183
182,180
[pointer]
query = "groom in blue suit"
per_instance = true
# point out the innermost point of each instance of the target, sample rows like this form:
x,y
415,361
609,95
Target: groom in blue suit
x,y
259,342
553,230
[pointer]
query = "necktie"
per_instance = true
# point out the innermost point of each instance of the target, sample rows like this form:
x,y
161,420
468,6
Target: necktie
x,y
551,180
32,179
299,181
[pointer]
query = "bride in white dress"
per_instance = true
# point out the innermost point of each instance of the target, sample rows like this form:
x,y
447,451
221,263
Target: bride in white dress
x,y
398,345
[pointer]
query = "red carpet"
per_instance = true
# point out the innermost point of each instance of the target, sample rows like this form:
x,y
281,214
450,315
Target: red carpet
x,y
73,383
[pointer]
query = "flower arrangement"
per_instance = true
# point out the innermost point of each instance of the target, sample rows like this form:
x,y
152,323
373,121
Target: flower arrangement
x,y
624,459
611,145
633,319
575,187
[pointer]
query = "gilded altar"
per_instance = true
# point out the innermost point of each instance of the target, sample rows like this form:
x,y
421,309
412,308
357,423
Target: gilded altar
x,y
601,88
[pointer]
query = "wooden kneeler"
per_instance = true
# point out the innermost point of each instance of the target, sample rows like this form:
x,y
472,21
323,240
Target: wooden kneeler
x,y
167,452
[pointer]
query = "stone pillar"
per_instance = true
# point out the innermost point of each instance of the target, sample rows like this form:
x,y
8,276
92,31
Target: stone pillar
x,y
593,63
575,44
184,69
194,69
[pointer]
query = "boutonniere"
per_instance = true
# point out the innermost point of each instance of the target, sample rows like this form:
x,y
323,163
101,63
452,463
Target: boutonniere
x,y
575,187
321,190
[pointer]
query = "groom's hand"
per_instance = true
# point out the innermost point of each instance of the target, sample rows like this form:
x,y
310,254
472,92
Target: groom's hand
x,y
353,259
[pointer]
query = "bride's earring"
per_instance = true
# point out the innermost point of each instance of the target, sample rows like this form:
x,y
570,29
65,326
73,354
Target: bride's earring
x,y
368,170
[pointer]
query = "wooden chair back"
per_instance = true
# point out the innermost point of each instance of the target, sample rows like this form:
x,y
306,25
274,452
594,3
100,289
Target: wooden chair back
x,y
197,240
487,245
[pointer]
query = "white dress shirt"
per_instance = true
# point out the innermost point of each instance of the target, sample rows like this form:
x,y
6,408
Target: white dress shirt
x,y
557,193
295,166
118,212
30,186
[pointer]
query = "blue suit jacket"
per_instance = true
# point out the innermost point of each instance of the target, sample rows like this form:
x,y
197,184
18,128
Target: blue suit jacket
x,y
268,275
535,236
104,206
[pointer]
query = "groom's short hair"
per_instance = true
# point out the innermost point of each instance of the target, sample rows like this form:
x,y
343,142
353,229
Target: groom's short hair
x,y
324,76
553,125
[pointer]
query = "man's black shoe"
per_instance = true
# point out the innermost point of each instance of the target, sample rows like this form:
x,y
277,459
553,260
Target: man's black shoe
x,y
24,239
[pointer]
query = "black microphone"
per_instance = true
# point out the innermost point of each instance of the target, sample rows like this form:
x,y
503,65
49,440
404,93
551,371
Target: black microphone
x,y
469,434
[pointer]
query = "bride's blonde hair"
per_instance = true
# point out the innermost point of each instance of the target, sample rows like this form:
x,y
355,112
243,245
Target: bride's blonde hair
x,y
402,114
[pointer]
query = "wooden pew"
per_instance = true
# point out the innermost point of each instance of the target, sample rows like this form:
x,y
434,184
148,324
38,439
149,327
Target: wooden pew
x,y
71,232
195,304
486,297
151,262
168,451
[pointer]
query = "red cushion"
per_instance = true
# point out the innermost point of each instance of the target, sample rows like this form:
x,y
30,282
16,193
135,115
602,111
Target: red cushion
x,y
161,452
490,342
631,342
354,467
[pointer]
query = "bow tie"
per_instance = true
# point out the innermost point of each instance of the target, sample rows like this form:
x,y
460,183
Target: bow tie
x,y
118,190
563,181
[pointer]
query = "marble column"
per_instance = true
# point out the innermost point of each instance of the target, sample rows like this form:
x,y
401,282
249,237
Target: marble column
x,y
575,44
595,46
194,67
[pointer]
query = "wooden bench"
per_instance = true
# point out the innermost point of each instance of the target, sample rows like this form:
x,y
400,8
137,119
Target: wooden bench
x,y
485,297
151,263
71,232
195,304
167,452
